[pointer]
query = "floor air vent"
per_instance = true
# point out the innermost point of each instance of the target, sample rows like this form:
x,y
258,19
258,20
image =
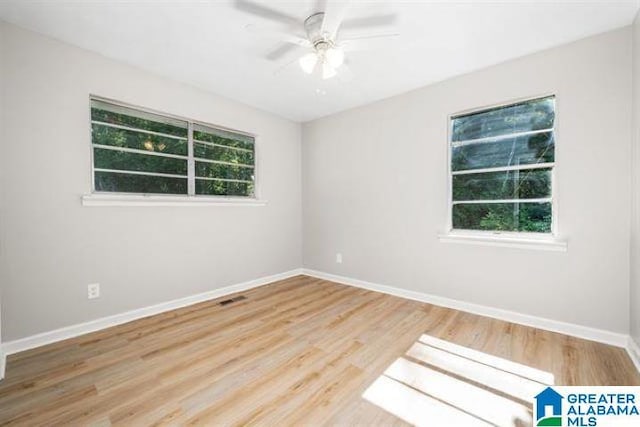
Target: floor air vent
x,y
230,300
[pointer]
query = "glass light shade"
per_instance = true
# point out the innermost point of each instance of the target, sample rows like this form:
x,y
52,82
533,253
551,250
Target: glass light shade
x,y
334,56
308,62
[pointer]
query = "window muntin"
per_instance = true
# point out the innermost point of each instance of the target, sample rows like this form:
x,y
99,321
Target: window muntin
x,y
135,151
502,162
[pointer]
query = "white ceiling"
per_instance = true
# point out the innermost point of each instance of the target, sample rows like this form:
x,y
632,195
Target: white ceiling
x,y
205,43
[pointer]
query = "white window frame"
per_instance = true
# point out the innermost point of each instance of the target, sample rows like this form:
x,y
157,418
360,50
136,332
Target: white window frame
x,y
111,198
524,240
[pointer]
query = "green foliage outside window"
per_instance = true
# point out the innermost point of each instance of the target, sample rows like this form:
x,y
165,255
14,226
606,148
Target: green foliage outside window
x,y
529,217
518,138
232,149
140,152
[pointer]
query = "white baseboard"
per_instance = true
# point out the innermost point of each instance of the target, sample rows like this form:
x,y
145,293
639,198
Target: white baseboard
x,y
607,337
11,347
593,334
634,352
3,361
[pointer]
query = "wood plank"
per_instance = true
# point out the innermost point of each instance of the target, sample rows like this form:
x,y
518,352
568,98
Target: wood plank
x,y
297,351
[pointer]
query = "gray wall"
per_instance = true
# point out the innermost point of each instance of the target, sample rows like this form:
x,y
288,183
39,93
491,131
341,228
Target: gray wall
x,y
375,186
635,223
2,183
52,247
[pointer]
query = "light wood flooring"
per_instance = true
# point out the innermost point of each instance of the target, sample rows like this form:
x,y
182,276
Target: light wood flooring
x,y
301,351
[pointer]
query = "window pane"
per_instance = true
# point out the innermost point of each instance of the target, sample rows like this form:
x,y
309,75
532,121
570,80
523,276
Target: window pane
x,y
522,150
115,114
518,184
214,170
120,160
224,154
128,183
160,145
104,135
222,137
532,217
223,188
526,116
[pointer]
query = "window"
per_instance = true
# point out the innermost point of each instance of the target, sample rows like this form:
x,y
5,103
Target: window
x,y
502,162
135,151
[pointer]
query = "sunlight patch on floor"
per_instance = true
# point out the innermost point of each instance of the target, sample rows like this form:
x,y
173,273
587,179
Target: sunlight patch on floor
x,y
506,382
415,407
440,383
488,359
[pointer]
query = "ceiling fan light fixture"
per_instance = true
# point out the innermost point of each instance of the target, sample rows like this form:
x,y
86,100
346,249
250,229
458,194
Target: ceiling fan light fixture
x,y
334,56
328,71
308,62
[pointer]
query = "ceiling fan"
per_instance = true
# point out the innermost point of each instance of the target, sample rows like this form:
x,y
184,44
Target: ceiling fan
x,y
326,47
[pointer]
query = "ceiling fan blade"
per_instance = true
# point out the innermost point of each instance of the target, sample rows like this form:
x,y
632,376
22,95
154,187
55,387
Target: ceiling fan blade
x,y
280,51
366,42
286,66
319,6
265,12
285,37
370,36
334,14
369,21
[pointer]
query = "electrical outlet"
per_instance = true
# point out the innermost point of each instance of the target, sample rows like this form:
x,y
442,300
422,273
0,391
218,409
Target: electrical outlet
x,y
93,290
339,258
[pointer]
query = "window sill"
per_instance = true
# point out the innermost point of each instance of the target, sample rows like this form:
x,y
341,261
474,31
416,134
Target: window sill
x,y
142,200
543,244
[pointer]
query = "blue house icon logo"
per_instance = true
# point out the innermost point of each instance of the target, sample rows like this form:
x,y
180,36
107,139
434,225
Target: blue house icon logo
x,y
549,408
